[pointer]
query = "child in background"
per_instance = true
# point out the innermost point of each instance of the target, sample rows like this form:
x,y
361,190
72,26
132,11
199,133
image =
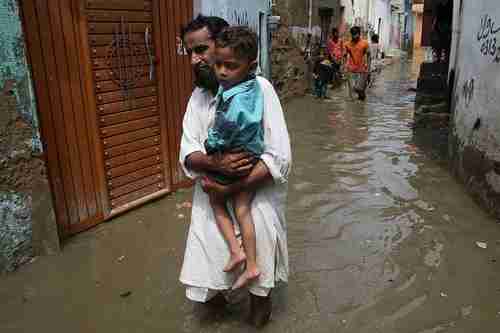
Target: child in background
x,y
322,74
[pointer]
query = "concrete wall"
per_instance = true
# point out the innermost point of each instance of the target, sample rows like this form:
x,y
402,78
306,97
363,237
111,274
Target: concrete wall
x,y
27,222
242,12
475,143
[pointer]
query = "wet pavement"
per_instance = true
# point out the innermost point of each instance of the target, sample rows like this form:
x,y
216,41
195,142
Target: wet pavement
x,y
381,239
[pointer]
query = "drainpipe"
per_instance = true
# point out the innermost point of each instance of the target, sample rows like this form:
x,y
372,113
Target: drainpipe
x,y
368,3
310,15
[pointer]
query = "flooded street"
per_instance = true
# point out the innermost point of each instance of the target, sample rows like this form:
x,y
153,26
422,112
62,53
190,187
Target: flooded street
x,y
381,239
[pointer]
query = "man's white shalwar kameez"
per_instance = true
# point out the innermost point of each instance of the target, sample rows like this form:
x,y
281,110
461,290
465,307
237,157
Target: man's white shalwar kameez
x,y
206,250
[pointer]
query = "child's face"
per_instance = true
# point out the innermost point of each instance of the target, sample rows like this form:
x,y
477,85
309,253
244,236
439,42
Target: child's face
x,y
231,70
356,36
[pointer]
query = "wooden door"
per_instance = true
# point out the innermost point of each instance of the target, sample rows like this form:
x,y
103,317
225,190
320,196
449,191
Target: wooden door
x,y
111,89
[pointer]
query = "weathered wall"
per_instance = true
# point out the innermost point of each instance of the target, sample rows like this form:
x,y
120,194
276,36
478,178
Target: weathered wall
x,y
295,15
27,223
290,72
242,12
476,98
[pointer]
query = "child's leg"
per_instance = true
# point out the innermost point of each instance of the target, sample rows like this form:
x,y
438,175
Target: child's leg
x,y
324,88
226,228
242,209
316,88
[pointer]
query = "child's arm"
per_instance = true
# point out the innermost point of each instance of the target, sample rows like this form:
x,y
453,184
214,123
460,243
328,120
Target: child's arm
x,y
221,134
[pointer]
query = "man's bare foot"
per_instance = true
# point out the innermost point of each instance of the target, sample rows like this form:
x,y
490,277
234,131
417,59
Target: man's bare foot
x,y
245,278
234,261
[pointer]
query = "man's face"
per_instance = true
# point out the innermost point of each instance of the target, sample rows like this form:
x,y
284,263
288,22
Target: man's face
x,y
201,48
230,70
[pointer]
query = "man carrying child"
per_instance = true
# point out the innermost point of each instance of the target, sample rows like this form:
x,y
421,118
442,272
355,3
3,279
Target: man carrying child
x,y
223,174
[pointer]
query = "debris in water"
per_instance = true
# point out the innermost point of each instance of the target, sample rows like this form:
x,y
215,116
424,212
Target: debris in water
x,y
187,204
447,218
482,245
424,206
444,295
466,311
126,294
180,216
120,259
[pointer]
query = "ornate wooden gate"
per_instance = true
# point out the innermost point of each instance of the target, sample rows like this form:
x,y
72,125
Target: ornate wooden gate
x,y
111,87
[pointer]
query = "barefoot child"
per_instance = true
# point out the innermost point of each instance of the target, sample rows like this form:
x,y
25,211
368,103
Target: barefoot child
x,y
237,125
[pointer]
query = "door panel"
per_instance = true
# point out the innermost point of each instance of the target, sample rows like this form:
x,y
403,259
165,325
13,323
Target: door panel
x,y
111,90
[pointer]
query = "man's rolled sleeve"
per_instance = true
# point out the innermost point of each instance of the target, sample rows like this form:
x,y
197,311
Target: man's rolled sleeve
x,y
191,139
277,154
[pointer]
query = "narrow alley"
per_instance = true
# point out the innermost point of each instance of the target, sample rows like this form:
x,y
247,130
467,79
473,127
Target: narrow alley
x,y
381,239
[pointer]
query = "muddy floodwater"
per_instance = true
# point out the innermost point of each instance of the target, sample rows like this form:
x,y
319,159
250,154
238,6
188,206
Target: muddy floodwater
x,y
381,239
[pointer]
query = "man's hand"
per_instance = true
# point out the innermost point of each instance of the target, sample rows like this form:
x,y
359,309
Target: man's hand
x,y
234,164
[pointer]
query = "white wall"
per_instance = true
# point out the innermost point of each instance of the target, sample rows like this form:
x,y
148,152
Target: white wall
x,y
476,60
252,13
348,11
381,9
361,12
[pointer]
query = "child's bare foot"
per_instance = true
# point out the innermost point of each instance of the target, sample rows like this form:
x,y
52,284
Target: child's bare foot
x,y
245,278
235,260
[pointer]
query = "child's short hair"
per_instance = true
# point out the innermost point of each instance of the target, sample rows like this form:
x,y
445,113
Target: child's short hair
x,y
241,40
375,39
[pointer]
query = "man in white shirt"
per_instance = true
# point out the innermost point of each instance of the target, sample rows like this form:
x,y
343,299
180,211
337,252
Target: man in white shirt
x,y
206,251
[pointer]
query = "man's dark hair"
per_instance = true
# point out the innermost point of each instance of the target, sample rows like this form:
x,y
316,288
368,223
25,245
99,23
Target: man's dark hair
x,y
375,38
241,40
355,30
213,24
335,31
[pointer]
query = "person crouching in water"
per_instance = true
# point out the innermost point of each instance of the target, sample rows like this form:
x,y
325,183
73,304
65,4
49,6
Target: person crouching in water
x,y
237,125
322,74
